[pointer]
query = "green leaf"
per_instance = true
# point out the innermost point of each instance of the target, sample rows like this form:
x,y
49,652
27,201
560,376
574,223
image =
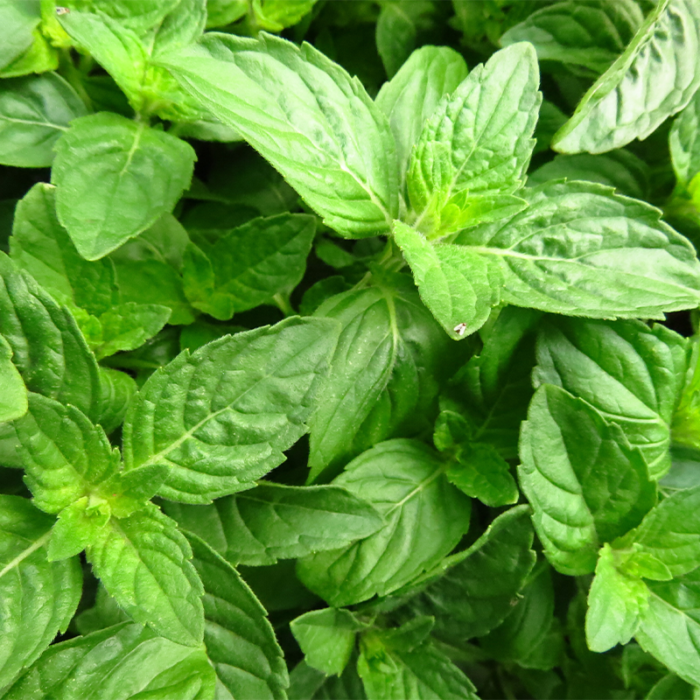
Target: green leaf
x,y
630,373
116,390
620,169
425,517
140,16
34,112
684,141
273,521
128,326
222,417
654,78
124,661
143,561
453,282
471,592
13,401
670,627
530,635
585,483
77,527
42,247
591,33
390,671
240,641
307,683
114,178
616,603
580,250
670,532
182,26
478,141
223,12
104,613
339,157
412,95
327,638
275,15
48,348
18,20
64,454
397,29
39,597
384,374
249,265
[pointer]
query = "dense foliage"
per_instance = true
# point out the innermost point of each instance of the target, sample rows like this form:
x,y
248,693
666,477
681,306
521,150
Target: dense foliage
x,y
335,349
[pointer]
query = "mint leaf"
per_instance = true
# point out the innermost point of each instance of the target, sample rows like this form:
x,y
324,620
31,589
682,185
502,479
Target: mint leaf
x,y
621,105
477,142
670,532
77,527
327,638
384,373
249,265
616,603
632,374
39,597
425,516
218,437
240,641
412,95
585,483
34,112
273,521
13,402
685,145
19,19
591,34
124,175
356,157
139,17
143,561
116,390
471,592
275,15
580,250
307,683
123,661
390,670
454,283
128,326
670,628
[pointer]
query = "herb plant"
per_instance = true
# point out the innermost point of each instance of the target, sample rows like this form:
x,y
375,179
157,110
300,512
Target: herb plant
x,y
335,349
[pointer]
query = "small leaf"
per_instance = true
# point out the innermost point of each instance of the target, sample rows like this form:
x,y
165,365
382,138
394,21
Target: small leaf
x,y
144,562
76,528
327,638
114,178
128,326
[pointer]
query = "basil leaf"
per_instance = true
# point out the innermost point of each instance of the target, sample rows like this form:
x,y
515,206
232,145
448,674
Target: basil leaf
x,y
34,112
124,176
217,437
39,597
340,157
425,517
144,562
622,105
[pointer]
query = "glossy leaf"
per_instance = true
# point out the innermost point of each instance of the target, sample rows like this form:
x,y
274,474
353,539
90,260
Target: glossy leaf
x,y
654,78
425,516
584,482
340,157
124,176
217,437
273,521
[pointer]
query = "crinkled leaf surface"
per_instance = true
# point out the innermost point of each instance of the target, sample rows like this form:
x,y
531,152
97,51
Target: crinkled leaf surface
x,y
223,416
273,521
39,597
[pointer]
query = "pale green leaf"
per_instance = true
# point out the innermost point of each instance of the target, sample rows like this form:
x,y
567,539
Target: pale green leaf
x,y
39,597
34,112
18,20
138,16
144,562
273,521
222,417
580,250
115,178
585,483
275,15
13,399
305,115
655,77
684,141
425,516
116,390
77,527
